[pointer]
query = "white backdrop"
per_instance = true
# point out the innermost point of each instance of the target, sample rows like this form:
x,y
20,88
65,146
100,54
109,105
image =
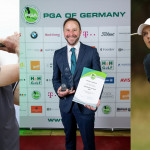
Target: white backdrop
x,y
106,26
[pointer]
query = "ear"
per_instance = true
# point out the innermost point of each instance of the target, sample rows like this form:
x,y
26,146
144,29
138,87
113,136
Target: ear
x,y
80,32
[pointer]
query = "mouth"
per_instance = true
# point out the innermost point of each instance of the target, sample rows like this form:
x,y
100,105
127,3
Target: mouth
x,y
71,37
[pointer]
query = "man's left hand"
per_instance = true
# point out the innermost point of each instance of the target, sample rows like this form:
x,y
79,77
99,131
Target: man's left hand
x,y
92,108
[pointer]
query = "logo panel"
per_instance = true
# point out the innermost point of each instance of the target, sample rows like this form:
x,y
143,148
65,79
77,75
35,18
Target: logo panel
x,y
48,65
35,80
123,79
52,34
23,111
107,64
124,95
109,80
107,34
107,49
123,109
108,95
106,109
36,94
35,65
22,80
50,48
123,33
123,49
123,64
52,109
89,34
31,14
51,96
36,109
23,95
34,35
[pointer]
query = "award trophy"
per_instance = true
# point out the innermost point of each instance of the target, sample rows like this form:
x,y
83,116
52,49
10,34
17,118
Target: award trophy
x,y
67,82
63,87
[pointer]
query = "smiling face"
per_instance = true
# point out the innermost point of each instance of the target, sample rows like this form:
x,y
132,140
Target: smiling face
x,y
146,36
72,32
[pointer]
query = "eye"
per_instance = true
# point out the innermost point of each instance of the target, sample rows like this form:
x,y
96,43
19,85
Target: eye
x,y
67,30
144,34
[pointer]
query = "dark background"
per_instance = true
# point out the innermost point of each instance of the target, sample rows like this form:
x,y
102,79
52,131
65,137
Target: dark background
x,y
140,11
140,87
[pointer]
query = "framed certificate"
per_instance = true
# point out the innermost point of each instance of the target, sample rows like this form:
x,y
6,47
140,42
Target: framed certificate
x,y
90,87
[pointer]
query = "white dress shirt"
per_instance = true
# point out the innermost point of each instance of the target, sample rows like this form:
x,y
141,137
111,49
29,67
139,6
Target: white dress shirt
x,y
69,52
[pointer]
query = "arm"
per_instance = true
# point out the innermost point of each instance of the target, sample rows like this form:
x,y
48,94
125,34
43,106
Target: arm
x,y
9,74
96,61
57,79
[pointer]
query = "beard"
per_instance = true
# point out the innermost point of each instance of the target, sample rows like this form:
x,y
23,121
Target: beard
x,y
74,43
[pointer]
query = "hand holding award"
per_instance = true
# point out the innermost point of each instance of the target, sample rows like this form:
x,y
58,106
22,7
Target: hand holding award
x,y
67,84
90,87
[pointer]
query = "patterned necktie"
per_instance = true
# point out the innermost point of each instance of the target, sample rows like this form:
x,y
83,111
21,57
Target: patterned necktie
x,y
73,61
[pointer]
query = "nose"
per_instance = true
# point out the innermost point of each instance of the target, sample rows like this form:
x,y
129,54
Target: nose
x,y
71,33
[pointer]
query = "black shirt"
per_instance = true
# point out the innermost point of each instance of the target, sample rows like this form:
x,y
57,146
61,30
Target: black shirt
x,y
9,129
147,66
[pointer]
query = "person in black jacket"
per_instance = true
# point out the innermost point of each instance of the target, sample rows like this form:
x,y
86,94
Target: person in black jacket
x,y
144,30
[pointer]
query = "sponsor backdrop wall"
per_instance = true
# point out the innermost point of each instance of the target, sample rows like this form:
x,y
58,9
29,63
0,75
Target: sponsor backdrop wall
x,y
106,26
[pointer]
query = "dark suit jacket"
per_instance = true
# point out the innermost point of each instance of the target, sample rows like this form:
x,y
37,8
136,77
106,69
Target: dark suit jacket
x,y
88,57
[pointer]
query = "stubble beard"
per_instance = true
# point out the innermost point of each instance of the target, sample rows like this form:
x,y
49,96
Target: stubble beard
x,y
74,43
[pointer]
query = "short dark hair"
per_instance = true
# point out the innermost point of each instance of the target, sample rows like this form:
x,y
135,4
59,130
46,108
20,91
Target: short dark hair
x,y
72,19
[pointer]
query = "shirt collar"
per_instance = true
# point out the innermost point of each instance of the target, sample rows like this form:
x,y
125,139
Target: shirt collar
x,y
77,46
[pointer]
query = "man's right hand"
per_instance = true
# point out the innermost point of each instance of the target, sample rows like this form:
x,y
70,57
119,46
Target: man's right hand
x,y
64,93
11,43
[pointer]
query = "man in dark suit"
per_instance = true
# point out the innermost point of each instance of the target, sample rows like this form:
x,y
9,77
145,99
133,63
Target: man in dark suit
x,y
71,59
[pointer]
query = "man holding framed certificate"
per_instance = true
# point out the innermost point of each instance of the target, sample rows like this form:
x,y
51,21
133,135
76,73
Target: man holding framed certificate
x,y
68,64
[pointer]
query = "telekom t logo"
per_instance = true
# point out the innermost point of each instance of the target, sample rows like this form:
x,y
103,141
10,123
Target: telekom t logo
x,y
50,94
85,34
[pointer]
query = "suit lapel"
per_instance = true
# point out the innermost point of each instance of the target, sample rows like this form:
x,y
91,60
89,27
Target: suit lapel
x,y
65,59
80,57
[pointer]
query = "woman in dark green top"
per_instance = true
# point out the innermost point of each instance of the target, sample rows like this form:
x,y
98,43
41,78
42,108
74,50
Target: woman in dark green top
x,y
147,66
144,30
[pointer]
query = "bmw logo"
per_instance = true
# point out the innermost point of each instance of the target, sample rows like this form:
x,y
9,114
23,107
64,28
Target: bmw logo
x,y
34,35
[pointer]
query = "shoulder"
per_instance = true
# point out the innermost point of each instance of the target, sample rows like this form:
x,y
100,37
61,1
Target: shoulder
x,y
147,59
60,51
89,48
